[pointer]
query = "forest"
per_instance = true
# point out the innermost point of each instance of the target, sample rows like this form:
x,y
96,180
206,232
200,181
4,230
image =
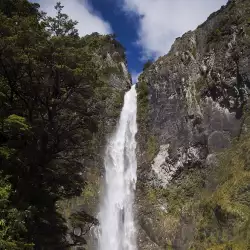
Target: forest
x,y
47,106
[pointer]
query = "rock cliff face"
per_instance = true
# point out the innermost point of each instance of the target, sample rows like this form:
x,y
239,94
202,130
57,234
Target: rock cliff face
x,y
191,106
113,81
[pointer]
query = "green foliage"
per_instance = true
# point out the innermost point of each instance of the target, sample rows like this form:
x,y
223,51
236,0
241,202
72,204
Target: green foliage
x,y
108,100
151,195
6,152
22,7
215,200
151,147
147,65
18,122
108,71
12,224
214,36
143,104
218,32
118,100
94,42
102,44
90,191
61,25
186,193
51,98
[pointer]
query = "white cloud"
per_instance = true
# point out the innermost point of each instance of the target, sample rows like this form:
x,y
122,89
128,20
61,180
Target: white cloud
x,y
161,21
89,21
135,76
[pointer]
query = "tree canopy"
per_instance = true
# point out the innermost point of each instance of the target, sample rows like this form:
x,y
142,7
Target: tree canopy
x,y
47,107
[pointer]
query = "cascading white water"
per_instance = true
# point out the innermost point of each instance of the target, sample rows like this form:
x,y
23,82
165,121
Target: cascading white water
x,y
117,227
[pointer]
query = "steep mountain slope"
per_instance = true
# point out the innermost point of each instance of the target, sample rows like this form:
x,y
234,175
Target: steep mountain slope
x,y
192,107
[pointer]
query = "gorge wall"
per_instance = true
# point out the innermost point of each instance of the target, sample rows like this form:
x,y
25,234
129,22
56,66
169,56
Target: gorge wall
x,y
193,138
193,191
114,80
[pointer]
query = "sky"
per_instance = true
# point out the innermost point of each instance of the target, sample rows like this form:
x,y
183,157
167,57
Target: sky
x,y
146,28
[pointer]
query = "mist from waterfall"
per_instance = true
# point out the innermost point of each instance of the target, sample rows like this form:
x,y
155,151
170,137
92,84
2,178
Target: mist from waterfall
x,y
117,226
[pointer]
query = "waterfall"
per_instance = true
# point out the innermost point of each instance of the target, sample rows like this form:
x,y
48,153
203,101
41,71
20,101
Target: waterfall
x,y
117,227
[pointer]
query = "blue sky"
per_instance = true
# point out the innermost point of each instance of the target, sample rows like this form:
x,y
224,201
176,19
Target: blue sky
x,y
125,28
146,28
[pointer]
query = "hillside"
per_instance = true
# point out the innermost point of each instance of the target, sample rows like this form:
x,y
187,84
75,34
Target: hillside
x,y
194,136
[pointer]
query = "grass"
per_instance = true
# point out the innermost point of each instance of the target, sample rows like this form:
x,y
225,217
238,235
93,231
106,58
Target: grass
x,y
216,201
143,103
151,147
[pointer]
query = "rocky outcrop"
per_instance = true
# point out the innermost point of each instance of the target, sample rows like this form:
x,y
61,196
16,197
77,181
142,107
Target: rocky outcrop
x,y
113,81
191,102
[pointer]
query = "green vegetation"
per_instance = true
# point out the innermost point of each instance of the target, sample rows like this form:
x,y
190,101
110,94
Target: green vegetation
x,y
150,141
97,44
118,100
215,201
11,220
151,147
143,105
147,65
89,192
17,122
151,195
211,205
52,100
214,36
218,32
107,71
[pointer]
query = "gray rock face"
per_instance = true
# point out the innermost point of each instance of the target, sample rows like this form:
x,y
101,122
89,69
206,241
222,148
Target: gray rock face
x,y
197,93
165,165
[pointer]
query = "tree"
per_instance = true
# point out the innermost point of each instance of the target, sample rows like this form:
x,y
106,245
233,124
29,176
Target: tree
x,y
12,222
47,81
20,7
61,25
